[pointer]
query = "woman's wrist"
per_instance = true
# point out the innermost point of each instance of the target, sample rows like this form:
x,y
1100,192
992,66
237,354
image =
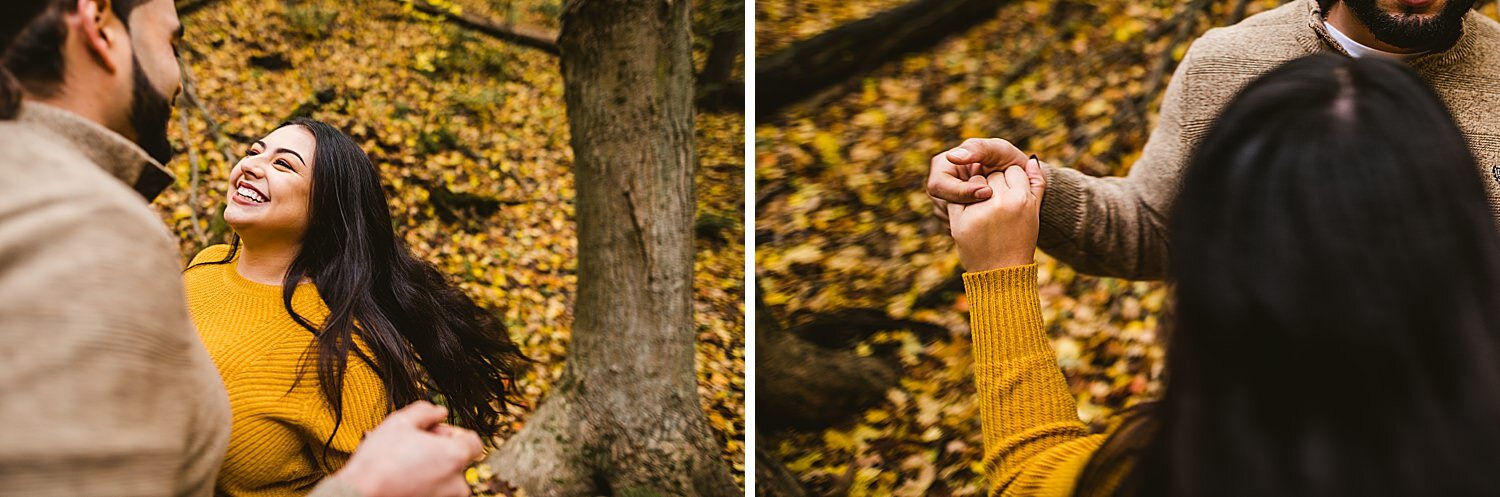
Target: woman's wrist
x,y
999,262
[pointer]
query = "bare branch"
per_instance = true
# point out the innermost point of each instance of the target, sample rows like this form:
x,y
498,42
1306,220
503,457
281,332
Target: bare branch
x,y
185,7
538,38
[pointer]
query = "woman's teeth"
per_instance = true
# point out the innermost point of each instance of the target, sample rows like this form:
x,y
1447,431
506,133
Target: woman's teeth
x,y
251,195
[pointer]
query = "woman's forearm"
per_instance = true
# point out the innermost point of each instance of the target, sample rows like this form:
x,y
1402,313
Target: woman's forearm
x,y
1024,401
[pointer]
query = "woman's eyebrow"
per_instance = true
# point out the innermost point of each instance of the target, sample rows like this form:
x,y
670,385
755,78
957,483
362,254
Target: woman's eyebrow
x,y
293,152
287,150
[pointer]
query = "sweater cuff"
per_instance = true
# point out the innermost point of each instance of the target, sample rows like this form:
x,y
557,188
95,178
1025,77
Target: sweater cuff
x,y
1005,314
1062,207
334,486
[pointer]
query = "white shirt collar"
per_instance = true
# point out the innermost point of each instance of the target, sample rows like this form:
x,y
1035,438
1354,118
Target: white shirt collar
x,y
1359,50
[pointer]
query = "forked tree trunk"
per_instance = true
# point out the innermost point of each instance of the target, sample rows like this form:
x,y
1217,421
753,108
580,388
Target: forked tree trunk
x,y
625,418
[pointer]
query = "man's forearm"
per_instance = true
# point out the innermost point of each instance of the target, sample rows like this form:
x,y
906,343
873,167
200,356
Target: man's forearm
x,y
1102,226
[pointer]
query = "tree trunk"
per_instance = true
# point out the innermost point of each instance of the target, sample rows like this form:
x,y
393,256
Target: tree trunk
x,y
848,51
625,417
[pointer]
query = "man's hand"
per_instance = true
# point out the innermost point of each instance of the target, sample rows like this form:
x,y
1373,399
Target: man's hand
x,y
948,179
413,454
1001,231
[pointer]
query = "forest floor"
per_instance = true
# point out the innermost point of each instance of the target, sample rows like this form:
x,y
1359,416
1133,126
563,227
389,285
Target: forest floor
x,y
471,138
842,220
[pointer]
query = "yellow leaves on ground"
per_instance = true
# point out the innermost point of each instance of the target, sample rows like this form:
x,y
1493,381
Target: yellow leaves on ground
x,y
472,142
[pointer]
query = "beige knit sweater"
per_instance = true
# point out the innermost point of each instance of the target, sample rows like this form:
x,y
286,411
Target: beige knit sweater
x,y
1116,226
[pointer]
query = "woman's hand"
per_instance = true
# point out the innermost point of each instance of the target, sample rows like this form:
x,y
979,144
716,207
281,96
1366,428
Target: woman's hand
x,y
1000,231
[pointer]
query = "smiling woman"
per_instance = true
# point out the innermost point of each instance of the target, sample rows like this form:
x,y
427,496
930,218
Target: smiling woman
x,y
272,166
315,266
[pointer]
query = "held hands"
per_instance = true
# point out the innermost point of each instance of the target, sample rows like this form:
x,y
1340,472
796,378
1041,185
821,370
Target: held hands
x,y
948,178
1001,230
413,454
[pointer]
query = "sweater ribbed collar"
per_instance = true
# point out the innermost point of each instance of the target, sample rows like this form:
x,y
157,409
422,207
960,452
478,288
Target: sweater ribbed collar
x,y
306,293
113,153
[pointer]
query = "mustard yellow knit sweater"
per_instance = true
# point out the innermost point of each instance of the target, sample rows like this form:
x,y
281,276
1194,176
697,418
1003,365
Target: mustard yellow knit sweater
x,y
1034,443
278,432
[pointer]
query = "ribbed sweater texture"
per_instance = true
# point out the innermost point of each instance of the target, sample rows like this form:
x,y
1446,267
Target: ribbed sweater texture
x,y
1034,443
280,418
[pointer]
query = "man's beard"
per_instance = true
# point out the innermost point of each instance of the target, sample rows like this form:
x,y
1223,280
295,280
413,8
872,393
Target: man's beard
x,y
1410,32
149,114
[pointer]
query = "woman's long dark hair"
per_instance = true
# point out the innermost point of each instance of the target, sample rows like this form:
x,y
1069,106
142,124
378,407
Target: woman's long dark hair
x,y
428,338
1336,276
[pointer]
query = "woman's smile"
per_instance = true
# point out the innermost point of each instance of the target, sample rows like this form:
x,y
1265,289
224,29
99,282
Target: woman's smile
x,y
248,194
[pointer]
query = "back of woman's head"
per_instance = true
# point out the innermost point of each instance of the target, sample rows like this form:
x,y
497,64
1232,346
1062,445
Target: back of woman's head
x,y
1337,278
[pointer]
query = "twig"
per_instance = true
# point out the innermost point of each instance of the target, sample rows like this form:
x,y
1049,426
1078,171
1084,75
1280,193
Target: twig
x,y
190,95
193,183
193,172
216,135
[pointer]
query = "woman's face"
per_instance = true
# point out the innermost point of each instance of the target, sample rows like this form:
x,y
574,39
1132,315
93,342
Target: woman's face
x,y
270,188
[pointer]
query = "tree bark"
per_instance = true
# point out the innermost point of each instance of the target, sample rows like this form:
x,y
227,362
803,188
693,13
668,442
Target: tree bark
x,y
848,51
625,417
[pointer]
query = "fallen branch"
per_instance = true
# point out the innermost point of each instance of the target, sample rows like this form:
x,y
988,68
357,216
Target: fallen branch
x,y
844,328
840,54
716,92
804,386
772,478
538,38
717,88
185,7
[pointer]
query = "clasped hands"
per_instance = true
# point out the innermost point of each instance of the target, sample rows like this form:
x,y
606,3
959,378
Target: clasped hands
x,y
991,195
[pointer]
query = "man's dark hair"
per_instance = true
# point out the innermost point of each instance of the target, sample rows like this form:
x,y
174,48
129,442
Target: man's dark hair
x,y
31,40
